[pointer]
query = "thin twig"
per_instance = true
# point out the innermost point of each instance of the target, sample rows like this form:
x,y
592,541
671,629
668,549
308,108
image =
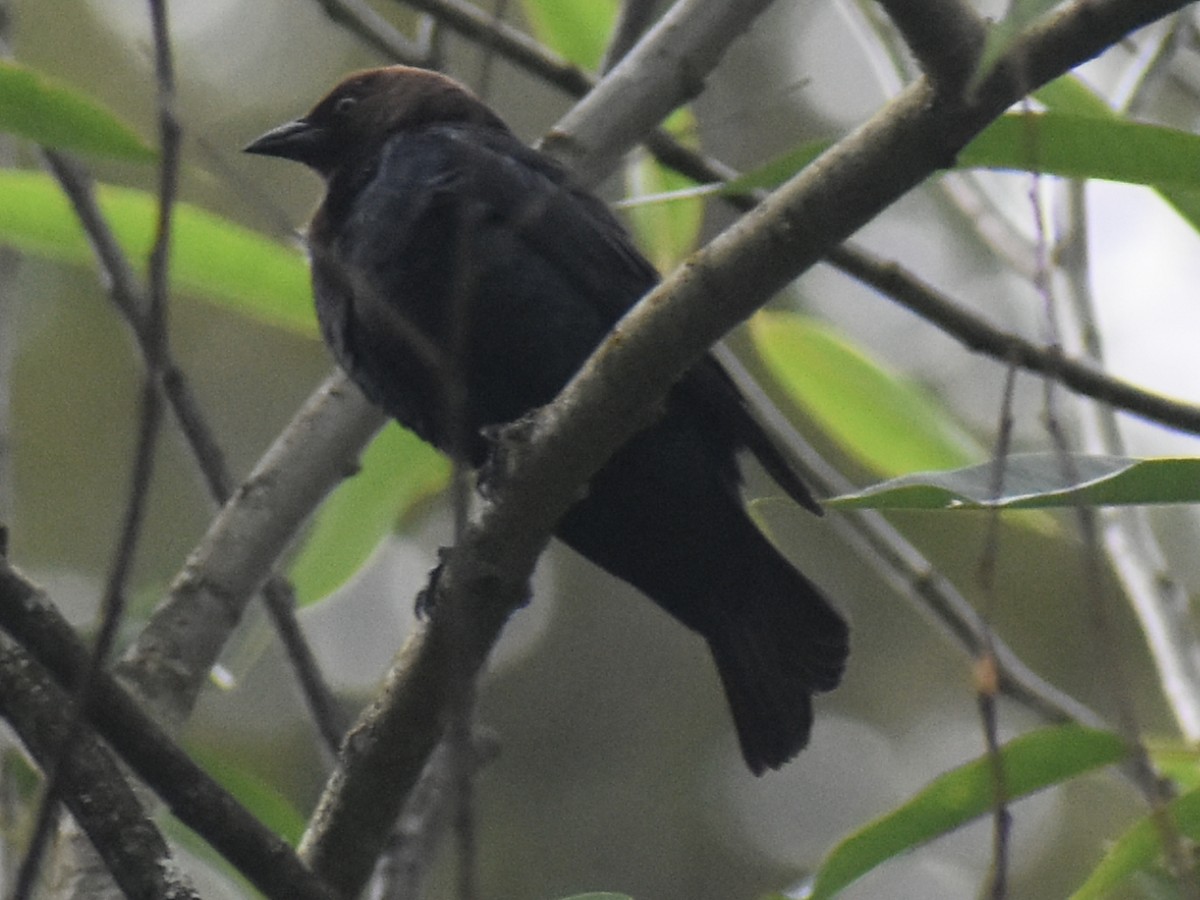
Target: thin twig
x,y
513,44
112,604
986,680
93,787
171,658
329,718
130,299
375,31
190,793
944,35
611,397
1157,598
872,538
976,334
1154,789
1153,592
633,18
487,62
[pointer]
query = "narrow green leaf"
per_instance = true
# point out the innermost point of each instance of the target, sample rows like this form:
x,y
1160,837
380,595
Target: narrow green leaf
x,y
1177,760
45,110
887,424
1039,480
1031,762
1069,94
1139,847
210,256
1080,137
577,31
778,170
1087,146
268,805
398,471
1003,33
600,895
666,229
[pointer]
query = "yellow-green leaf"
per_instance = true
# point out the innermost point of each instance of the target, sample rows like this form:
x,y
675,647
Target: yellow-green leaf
x,y
268,805
210,256
45,110
1087,146
1139,847
778,170
887,424
666,227
1031,762
1039,481
398,471
577,31
1001,35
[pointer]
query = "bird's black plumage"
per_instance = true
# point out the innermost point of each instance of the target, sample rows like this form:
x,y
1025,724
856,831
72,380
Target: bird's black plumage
x,y
461,279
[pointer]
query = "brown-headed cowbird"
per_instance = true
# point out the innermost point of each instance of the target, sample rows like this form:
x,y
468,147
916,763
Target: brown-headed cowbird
x,y
461,279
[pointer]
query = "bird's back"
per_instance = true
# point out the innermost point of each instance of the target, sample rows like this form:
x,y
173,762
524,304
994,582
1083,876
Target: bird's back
x,y
462,280
477,254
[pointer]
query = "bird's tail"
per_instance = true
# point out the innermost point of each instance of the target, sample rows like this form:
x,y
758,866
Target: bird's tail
x,y
775,646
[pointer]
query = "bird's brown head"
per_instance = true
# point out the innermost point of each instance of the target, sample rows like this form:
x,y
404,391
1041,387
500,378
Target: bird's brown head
x,y
366,108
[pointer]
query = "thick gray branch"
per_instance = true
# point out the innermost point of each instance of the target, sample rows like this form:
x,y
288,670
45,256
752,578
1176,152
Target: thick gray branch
x,y
914,136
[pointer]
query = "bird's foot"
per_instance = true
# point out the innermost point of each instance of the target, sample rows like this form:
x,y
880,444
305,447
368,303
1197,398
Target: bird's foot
x,y
506,441
426,600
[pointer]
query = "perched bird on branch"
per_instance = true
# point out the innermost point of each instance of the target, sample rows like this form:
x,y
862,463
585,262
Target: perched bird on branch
x,y
461,279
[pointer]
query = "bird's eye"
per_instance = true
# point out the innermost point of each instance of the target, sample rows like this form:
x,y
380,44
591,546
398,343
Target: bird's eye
x,y
343,105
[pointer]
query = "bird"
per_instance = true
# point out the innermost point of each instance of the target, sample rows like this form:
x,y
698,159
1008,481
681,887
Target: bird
x,y
461,278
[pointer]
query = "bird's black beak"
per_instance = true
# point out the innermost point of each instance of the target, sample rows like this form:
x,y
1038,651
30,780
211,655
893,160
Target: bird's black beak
x,y
298,140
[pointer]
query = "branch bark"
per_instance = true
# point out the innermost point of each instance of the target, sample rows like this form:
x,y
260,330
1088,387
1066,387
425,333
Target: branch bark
x,y
483,578
91,784
170,660
191,795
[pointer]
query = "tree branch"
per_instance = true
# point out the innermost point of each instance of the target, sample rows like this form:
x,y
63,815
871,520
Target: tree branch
x,y
91,783
375,31
978,335
171,658
513,44
664,70
944,35
483,578
130,299
112,602
191,795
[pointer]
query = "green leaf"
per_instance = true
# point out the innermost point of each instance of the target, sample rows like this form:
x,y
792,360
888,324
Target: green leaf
x,y
778,170
886,424
599,895
1069,94
267,804
1039,480
210,256
1002,34
1087,146
1081,137
667,228
51,113
398,471
1177,760
577,31
1139,847
1031,762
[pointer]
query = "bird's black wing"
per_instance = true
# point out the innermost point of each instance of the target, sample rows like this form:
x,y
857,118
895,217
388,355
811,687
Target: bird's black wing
x,y
570,270
708,386
627,275
461,254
